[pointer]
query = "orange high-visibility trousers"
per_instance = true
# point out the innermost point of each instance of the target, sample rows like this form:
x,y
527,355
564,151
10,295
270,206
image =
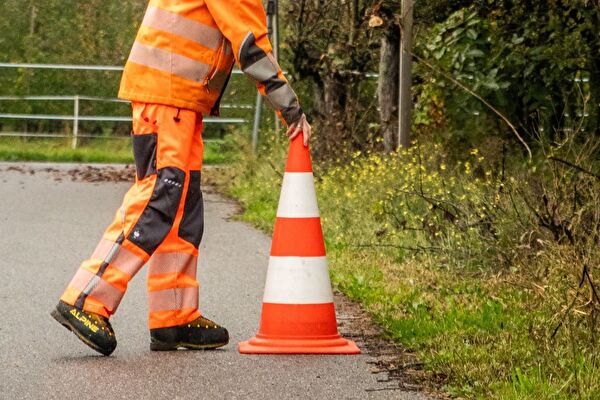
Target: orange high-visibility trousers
x,y
159,223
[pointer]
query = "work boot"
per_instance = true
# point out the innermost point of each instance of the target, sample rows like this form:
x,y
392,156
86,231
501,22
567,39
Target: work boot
x,y
200,334
92,329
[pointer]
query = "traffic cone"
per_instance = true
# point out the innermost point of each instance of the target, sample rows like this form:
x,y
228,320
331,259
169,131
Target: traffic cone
x,y
298,315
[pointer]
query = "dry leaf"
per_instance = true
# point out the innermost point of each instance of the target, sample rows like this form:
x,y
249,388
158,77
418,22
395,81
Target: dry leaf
x,y
375,21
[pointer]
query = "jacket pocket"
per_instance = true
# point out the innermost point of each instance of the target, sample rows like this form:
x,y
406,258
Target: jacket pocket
x,y
144,153
191,227
214,69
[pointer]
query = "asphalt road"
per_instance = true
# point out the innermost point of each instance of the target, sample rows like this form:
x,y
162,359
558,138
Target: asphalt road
x,y
48,226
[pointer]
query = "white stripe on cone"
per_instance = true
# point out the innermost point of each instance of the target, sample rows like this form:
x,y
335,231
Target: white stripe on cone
x,y
298,280
298,198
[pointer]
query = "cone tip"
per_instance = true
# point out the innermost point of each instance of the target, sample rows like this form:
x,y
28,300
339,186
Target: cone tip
x,y
298,156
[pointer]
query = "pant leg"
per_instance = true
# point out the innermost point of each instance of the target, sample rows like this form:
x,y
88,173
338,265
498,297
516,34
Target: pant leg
x,y
162,139
172,284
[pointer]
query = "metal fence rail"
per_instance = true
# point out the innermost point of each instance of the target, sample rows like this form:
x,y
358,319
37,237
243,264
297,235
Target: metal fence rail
x,y
76,117
77,67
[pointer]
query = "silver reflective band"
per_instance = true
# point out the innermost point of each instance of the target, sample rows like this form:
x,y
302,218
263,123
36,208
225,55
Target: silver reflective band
x,y
91,285
112,253
262,70
283,97
167,21
168,62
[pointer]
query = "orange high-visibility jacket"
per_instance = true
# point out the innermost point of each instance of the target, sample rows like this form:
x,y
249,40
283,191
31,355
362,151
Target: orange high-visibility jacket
x,y
185,50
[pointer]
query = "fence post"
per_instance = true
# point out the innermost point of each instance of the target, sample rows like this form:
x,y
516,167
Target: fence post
x,y
271,9
256,126
75,122
275,38
405,103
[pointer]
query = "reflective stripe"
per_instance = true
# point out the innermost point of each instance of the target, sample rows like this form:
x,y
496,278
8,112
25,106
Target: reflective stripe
x,y
274,61
169,62
105,250
283,97
298,198
118,257
298,280
107,294
126,261
91,284
167,21
112,252
82,279
102,249
262,70
173,299
165,263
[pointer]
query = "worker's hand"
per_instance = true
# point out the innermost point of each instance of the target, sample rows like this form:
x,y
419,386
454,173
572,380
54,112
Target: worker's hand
x,y
301,125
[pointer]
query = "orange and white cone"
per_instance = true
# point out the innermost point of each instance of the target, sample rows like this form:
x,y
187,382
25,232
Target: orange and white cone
x,y
298,315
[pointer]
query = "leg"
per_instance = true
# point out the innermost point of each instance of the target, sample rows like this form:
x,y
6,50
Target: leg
x,y
161,149
172,285
174,319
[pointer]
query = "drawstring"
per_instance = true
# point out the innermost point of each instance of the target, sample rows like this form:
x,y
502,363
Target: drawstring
x,y
176,118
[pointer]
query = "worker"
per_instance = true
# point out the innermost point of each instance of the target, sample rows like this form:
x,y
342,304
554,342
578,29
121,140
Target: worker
x,y
176,74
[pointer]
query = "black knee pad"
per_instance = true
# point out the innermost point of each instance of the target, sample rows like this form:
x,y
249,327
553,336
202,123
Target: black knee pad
x,y
159,215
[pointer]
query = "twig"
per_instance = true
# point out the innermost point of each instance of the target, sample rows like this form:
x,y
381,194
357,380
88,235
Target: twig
x,y
275,168
589,278
396,246
577,167
583,276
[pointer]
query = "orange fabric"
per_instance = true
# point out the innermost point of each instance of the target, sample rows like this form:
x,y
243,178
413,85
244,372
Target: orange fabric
x,y
148,79
165,319
178,145
170,281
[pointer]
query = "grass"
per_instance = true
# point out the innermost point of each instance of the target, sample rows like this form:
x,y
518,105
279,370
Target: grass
x,y
482,330
89,151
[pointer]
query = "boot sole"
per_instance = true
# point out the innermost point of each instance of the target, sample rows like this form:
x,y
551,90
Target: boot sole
x,y
162,346
65,322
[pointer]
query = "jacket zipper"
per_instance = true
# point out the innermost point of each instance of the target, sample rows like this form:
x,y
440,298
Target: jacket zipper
x,y
213,71
215,112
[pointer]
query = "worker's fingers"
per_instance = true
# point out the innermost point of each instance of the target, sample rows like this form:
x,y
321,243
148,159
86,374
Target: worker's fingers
x,y
307,132
298,127
291,128
296,131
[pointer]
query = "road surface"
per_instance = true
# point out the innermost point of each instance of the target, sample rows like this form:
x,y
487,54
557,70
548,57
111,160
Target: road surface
x,y
47,226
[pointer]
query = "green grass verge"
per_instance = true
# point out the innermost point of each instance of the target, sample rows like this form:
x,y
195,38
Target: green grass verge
x,y
89,151
484,333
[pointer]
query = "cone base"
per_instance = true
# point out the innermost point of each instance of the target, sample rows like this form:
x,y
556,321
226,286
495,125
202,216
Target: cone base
x,y
338,345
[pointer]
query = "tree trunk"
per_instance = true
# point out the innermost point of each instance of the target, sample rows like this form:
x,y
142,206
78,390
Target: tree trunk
x,y
387,89
594,106
594,70
332,119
